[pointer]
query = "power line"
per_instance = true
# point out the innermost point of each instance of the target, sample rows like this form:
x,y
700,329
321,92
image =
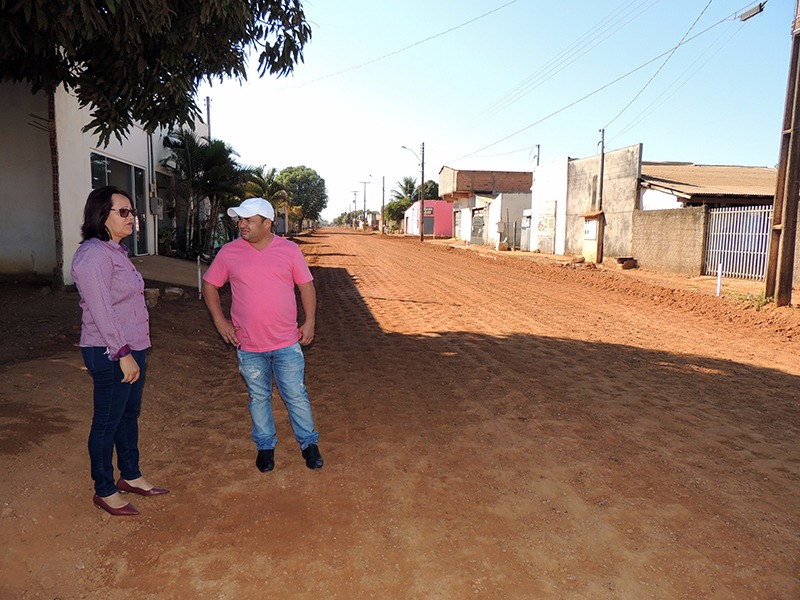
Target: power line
x,y
601,88
650,108
586,42
403,49
666,60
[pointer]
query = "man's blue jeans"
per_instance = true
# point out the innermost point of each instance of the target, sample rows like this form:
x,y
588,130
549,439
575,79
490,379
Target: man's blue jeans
x,y
288,366
115,422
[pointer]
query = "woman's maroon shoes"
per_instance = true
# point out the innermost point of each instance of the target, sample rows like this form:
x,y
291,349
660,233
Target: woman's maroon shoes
x,y
129,510
126,488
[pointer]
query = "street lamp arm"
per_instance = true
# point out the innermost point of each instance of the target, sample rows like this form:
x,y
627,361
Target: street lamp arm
x,y
412,152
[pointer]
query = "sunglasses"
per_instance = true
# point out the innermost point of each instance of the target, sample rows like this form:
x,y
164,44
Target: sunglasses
x,y
125,212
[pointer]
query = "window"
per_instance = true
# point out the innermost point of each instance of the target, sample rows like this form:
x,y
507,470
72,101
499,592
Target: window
x,y
107,171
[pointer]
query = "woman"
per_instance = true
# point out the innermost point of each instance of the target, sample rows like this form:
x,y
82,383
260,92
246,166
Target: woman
x,y
115,335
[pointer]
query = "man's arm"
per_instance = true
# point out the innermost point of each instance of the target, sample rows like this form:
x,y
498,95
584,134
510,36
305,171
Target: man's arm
x,y
223,325
308,298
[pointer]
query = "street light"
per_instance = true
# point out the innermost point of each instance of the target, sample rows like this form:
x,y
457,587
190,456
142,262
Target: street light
x,y
421,188
383,198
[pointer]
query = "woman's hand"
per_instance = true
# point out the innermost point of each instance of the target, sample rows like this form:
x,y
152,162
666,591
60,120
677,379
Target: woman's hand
x,y
130,368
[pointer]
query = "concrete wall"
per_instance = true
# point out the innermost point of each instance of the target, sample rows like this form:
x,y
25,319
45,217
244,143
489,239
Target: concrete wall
x,y
549,207
670,241
619,199
462,233
27,243
506,209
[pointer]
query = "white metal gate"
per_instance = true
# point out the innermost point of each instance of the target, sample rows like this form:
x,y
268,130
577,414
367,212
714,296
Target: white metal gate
x,y
738,238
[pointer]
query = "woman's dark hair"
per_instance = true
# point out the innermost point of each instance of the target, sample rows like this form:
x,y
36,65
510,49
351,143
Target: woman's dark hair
x,y
98,207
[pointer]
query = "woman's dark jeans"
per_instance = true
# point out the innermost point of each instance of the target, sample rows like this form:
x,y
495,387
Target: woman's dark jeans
x,y
115,423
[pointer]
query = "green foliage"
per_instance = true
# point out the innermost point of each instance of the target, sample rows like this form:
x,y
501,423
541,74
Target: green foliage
x,y
263,183
202,169
405,189
348,219
143,61
431,190
395,210
755,301
306,190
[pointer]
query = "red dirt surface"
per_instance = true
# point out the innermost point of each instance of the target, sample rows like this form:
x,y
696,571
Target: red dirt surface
x,y
491,427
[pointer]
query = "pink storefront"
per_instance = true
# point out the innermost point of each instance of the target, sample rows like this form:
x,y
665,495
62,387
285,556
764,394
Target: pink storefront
x,y
437,219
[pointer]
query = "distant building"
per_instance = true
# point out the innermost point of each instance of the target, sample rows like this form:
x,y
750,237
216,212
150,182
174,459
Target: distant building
x,y
487,205
437,219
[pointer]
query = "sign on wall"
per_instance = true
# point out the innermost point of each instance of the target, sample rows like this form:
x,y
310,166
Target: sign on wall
x,y
590,229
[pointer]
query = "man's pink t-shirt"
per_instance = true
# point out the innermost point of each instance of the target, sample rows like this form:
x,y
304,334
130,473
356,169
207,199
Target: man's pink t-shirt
x,y
263,303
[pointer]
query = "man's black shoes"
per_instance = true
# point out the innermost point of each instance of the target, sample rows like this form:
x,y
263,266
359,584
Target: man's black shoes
x,y
313,457
266,460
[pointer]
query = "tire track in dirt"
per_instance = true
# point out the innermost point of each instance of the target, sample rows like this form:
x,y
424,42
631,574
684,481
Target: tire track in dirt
x,y
533,356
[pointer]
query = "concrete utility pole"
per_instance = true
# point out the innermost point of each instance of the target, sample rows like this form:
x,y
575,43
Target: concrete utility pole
x,y
365,201
780,265
422,193
421,188
383,198
355,207
208,115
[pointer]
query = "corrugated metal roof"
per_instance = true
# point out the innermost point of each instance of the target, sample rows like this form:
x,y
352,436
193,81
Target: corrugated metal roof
x,y
711,180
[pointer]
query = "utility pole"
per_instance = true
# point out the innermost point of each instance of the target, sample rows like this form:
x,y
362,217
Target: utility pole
x,y
537,155
780,264
602,168
355,207
208,115
383,198
600,217
422,192
365,202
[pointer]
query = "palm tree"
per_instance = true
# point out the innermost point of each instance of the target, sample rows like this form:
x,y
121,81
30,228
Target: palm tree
x,y
184,164
223,184
263,183
405,190
205,174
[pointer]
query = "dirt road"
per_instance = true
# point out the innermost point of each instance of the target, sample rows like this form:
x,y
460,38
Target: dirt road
x,y
491,428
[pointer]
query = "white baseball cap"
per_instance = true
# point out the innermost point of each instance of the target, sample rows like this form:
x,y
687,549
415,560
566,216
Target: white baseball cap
x,y
252,207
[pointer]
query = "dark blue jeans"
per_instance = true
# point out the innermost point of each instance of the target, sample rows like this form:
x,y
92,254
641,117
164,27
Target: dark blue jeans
x,y
115,422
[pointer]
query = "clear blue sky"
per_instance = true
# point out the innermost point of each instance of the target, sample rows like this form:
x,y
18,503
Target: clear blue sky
x,y
481,83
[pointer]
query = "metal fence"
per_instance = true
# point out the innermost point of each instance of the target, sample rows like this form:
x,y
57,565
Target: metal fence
x,y
738,238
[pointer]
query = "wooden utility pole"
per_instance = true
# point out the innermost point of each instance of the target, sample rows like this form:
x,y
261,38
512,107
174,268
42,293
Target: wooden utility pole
x,y
780,265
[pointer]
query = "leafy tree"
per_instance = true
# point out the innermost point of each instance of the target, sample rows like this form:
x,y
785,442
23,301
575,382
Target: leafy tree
x,y
431,190
347,219
306,191
140,61
396,209
143,61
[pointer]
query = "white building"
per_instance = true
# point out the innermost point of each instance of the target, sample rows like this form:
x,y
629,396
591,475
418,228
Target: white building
x,y
27,231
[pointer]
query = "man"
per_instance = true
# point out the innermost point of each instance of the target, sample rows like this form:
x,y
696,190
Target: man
x,y
263,270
